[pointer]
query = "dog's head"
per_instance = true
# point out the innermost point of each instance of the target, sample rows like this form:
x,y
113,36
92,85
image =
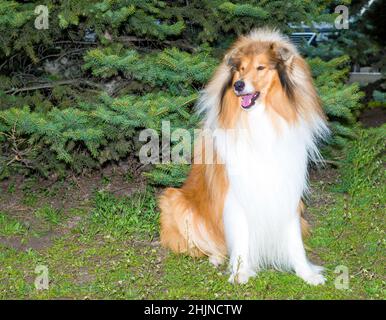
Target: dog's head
x,y
262,69
256,67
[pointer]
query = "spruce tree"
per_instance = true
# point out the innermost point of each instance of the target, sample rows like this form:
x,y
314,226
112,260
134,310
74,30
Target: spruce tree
x,y
75,96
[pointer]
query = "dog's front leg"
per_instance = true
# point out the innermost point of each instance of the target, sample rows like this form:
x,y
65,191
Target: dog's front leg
x,y
304,269
237,238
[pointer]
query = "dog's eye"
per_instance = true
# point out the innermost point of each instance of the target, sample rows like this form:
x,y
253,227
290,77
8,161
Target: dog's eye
x,y
260,68
242,69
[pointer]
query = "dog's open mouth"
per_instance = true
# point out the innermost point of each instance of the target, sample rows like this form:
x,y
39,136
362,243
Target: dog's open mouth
x,y
248,100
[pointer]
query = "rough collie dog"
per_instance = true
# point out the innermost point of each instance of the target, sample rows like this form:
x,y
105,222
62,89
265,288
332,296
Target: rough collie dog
x,y
249,204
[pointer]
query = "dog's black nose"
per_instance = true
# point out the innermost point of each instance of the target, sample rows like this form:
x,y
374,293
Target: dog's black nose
x,y
239,85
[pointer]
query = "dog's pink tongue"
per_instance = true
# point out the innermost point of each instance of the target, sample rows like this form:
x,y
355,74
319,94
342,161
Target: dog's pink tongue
x,y
246,100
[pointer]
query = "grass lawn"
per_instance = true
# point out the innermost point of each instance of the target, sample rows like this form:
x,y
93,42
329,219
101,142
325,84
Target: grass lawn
x,y
98,237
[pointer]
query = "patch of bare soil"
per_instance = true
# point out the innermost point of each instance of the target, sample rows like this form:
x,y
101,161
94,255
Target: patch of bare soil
x,y
72,192
321,179
42,242
374,117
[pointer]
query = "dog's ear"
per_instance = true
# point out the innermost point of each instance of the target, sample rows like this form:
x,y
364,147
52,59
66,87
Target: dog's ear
x,y
231,61
231,58
284,59
283,54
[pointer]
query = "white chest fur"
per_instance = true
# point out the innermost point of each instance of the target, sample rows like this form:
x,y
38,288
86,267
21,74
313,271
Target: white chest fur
x,y
267,171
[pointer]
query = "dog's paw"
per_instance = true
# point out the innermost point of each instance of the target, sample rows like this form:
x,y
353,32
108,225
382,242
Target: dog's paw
x,y
240,277
216,260
315,277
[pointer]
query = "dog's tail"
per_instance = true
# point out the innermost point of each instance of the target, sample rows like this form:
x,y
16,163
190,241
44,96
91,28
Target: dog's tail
x,y
182,229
